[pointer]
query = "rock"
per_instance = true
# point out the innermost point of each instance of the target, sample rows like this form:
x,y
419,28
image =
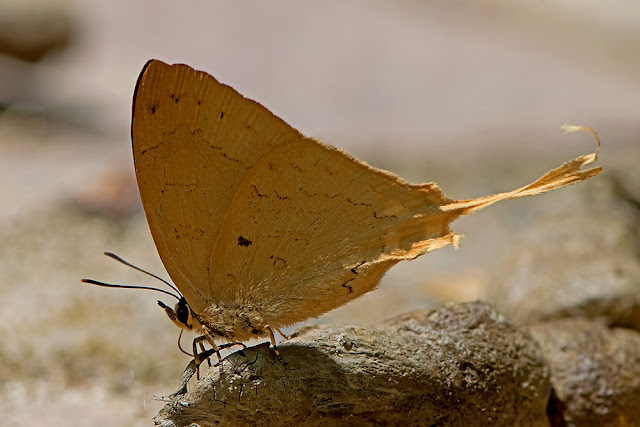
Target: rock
x,y
595,372
581,259
31,29
461,364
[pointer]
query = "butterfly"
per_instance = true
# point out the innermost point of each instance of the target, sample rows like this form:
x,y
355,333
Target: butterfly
x,y
261,227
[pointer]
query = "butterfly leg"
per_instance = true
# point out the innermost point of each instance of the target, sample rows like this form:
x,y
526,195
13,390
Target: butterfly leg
x,y
199,340
281,334
197,356
231,344
203,338
194,354
272,337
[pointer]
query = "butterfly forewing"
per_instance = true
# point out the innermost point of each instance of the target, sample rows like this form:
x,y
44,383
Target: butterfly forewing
x,y
194,141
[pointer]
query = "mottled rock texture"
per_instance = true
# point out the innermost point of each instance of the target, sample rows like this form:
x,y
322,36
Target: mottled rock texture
x,y
595,372
581,258
458,365
574,280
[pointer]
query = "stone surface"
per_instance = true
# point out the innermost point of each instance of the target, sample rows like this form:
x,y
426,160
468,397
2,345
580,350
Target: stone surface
x,y
595,372
461,364
29,30
580,259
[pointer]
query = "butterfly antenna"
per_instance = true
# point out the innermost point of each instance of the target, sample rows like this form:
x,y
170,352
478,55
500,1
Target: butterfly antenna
x,y
111,285
128,264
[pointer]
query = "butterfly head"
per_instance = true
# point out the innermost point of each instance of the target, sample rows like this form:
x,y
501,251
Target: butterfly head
x,y
181,315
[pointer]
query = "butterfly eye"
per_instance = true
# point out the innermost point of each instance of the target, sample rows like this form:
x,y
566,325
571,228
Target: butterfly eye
x,y
182,311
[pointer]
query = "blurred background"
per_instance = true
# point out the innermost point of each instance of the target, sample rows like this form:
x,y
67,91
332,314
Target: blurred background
x,y
465,93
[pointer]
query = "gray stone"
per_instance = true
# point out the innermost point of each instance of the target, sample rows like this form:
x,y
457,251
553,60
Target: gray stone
x,y
461,364
582,258
595,372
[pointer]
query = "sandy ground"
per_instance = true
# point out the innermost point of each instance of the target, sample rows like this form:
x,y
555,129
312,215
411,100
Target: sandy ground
x,y
470,96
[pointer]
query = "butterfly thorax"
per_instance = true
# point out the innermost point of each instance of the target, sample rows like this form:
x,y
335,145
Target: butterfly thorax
x,y
232,322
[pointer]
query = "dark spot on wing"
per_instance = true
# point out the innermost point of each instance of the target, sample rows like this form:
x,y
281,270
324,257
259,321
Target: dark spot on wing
x,y
242,241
